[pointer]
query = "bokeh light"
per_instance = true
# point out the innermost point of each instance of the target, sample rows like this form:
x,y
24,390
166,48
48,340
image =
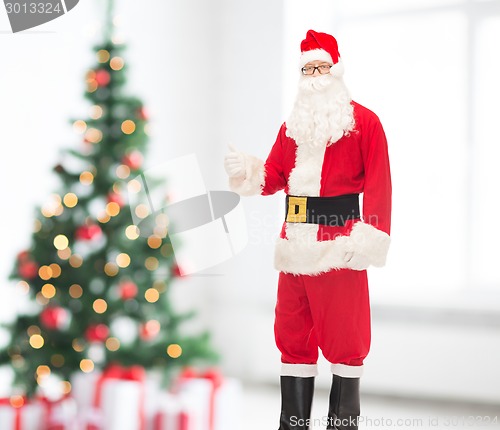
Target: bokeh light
x,y
132,232
86,365
100,306
151,295
174,350
36,341
75,291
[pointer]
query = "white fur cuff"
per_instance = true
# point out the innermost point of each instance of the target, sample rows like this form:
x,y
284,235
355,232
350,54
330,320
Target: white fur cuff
x,y
346,371
370,242
253,181
299,370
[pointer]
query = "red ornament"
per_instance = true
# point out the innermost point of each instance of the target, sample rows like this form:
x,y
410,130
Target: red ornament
x,y
88,232
133,160
115,198
28,269
128,290
142,113
23,256
102,77
54,318
97,333
149,330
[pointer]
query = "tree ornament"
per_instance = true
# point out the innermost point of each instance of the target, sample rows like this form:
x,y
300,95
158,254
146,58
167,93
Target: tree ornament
x,y
97,333
115,198
54,318
102,77
133,160
142,113
27,268
88,232
125,328
128,290
23,256
149,330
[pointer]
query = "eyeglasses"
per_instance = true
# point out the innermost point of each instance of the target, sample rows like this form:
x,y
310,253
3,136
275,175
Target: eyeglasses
x,y
323,69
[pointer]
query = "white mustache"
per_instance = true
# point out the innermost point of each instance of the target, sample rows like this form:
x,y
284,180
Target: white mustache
x,y
315,84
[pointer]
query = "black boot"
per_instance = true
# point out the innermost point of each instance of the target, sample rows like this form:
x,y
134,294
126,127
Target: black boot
x,y
296,400
344,404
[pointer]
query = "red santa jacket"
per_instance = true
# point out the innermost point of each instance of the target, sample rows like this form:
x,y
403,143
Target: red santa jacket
x,y
357,163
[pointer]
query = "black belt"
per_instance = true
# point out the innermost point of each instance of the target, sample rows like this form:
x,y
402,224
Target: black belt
x,y
331,211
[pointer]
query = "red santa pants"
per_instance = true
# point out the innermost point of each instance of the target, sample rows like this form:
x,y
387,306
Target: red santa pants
x,y
330,311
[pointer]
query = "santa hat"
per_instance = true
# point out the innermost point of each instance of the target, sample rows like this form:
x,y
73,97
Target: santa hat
x,y
322,47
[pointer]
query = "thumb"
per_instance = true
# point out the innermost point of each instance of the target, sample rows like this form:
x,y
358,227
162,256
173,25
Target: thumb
x,y
232,148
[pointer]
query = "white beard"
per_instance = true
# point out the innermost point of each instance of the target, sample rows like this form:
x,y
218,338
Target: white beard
x,y
322,112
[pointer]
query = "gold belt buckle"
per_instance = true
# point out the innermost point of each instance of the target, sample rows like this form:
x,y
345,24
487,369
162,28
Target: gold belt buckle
x,y
297,209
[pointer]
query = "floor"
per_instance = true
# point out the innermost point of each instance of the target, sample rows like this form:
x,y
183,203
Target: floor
x,y
262,405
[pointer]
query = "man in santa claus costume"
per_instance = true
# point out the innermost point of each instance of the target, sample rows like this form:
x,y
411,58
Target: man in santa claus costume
x,y
329,151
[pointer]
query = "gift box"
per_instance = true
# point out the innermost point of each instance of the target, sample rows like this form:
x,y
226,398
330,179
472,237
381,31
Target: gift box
x,y
111,400
21,414
173,413
214,401
60,414
227,405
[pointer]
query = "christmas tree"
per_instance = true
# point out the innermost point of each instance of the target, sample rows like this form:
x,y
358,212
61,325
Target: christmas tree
x,y
98,286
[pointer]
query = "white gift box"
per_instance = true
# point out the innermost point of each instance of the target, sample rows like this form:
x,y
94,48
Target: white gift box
x,y
121,404
63,415
32,417
222,405
173,414
228,403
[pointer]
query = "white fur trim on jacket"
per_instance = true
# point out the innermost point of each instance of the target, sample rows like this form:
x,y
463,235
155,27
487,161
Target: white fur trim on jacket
x,y
299,370
346,371
370,242
310,257
303,254
253,181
